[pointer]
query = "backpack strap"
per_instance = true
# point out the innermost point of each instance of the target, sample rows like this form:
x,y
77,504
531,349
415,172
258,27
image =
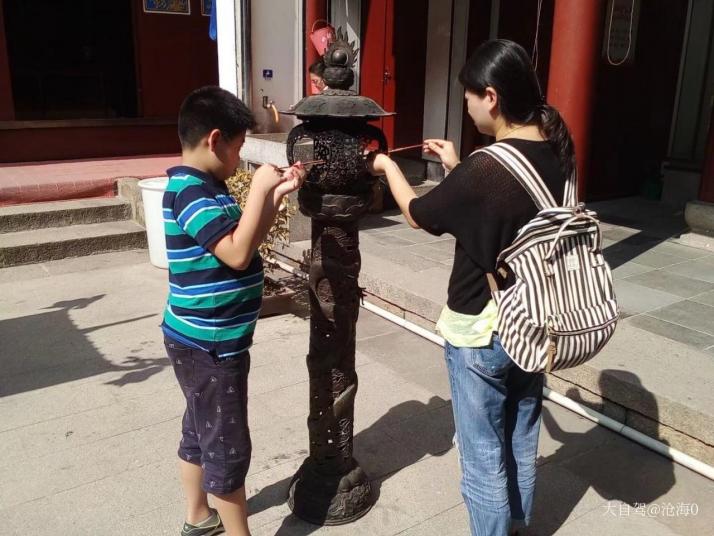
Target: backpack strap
x,y
521,168
524,172
570,195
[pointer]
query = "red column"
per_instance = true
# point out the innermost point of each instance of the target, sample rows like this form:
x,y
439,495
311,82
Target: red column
x,y
571,81
706,186
314,11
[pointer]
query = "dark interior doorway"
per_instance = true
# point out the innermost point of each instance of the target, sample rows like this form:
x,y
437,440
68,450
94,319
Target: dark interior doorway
x,y
634,103
526,28
71,59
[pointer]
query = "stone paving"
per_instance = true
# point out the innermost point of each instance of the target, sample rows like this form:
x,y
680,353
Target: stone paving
x,y
91,415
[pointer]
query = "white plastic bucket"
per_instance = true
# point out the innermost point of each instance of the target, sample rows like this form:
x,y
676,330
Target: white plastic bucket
x,y
152,195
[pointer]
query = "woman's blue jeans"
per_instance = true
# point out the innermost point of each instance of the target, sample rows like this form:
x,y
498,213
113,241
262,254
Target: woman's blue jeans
x,y
497,409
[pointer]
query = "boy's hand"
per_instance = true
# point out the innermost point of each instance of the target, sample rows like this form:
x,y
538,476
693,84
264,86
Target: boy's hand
x,y
266,177
293,179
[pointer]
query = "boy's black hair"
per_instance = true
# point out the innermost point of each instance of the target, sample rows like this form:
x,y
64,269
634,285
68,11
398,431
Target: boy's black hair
x,y
209,108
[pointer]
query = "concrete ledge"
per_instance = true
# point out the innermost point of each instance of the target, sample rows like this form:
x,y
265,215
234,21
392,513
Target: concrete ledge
x,y
700,217
128,189
670,436
664,380
38,193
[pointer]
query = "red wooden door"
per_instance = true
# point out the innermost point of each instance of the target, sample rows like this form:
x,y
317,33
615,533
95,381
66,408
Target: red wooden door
x,y
7,107
393,65
377,62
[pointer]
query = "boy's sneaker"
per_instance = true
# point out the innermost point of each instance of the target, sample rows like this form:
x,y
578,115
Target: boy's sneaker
x,y
209,527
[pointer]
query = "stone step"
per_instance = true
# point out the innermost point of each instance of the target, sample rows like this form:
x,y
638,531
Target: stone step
x,y
52,243
16,218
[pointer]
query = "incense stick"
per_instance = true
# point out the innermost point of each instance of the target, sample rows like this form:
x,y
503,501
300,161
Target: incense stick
x,y
398,149
308,163
390,151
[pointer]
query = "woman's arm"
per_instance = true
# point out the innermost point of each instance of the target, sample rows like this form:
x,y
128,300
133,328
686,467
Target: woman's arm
x,y
398,184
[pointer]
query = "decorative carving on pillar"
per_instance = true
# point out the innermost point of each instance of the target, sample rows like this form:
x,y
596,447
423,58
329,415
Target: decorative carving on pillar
x,y
330,487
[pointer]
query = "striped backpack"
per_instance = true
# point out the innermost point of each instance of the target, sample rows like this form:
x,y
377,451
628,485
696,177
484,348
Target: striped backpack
x,y
561,310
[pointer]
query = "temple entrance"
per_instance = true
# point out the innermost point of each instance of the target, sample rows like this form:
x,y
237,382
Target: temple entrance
x,y
88,79
71,60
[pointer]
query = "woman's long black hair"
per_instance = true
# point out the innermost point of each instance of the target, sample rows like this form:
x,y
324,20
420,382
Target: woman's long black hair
x,y
506,67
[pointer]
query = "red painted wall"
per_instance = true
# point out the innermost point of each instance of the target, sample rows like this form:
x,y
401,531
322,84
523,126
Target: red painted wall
x,y
174,56
409,43
65,143
7,109
372,55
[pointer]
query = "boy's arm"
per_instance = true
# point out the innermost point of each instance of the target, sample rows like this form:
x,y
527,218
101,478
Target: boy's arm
x,y
236,248
294,178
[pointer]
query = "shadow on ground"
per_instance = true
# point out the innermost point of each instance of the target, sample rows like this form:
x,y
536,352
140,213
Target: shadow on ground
x,y
412,420
48,349
595,460
599,460
651,222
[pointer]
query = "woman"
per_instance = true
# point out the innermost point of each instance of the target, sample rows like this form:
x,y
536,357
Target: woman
x,y
496,405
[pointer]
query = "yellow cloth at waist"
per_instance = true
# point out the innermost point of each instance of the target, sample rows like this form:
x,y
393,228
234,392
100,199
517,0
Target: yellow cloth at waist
x,y
468,330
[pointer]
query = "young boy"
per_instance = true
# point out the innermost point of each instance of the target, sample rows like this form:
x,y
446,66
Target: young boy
x,y
215,294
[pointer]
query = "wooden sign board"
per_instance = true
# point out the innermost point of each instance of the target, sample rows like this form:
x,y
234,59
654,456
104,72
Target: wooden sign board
x,y
168,7
620,35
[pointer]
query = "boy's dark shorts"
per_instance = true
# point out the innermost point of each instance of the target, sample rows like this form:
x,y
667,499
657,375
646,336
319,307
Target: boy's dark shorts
x,y
215,424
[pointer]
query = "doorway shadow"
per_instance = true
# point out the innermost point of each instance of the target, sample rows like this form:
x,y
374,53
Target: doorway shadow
x,y
641,225
398,439
615,468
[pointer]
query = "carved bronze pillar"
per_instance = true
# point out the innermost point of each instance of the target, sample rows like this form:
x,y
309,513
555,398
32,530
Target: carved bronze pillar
x,y
330,488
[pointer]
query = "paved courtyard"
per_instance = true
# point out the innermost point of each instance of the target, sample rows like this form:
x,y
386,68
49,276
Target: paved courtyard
x,y
91,416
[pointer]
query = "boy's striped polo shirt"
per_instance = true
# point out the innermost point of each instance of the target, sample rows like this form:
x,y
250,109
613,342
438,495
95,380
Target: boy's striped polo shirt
x,y
210,305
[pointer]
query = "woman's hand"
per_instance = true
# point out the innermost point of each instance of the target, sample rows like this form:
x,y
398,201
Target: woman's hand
x,y
443,149
377,163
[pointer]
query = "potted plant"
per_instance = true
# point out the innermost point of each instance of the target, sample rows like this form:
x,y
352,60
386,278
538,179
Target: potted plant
x,y
280,291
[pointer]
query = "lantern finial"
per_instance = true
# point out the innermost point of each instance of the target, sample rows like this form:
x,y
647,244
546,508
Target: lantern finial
x,y
339,59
